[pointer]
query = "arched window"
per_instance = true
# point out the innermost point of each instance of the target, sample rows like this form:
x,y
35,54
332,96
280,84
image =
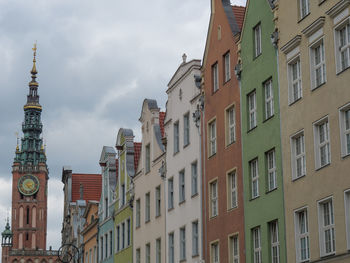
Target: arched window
x,y
21,216
27,215
34,216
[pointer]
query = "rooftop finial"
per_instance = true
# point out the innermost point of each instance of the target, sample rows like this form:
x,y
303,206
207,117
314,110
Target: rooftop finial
x,y
17,137
34,72
184,57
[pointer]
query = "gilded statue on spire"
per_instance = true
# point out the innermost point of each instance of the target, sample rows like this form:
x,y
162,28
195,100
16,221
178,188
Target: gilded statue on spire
x,y
34,60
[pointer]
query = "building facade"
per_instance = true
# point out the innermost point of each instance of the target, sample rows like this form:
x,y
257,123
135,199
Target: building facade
x,y
90,232
315,100
128,157
27,241
106,205
223,210
262,158
183,184
149,205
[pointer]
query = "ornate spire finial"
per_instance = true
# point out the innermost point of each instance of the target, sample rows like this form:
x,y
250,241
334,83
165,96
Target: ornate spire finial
x,y
34,72
17,147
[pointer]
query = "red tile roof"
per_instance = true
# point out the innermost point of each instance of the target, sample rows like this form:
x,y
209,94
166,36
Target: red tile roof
x,y
161,122
239,15
92,185
137,149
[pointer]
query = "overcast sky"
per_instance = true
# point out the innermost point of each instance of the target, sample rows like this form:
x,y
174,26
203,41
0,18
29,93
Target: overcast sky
x,y
96,61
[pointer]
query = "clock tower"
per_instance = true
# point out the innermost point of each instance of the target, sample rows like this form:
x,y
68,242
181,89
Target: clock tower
x,y
30,177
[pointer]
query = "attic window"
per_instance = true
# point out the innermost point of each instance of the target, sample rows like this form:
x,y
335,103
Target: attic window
x,y
219,32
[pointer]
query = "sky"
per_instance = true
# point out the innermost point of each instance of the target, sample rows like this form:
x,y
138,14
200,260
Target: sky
x,y
97,61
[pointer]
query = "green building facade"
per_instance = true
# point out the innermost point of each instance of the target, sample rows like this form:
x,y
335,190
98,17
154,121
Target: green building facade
x,y
123,214
261,141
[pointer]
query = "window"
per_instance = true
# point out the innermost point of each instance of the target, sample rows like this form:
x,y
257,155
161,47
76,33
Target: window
x,y
128,224
176,137
106,207
171,248
271,170
303,8
227,67
326,227
101,248
344,116
232,190
274,242
252,110
298,155
212,138
342,38
147,207
194,179
170,193
186,129
257,40
158,251
215,76
195,239
268,90
182,186
123,235
110,243
257,245
234,249
302,235
347,217
148,253
148,158
215,257
138,213
118,238
230,125
123,195
295,87
214,198
183,243
158,201
138,255
318,64
322,144
254,174
106,245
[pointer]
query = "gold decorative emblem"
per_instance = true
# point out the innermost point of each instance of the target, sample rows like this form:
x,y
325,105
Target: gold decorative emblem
x,y
28,184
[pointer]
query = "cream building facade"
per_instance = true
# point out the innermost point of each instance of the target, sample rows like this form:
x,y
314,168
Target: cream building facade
x,y
183,177
149,205
314,61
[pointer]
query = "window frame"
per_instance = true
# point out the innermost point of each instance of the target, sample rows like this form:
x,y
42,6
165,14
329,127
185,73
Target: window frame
x,y
318,145
212,140
176,130
295,156
319,43
338,48
214,199
234,248
158,200
292,98
254,178
147,207
147,158
344,132
195,238
257,40
257,245
302,236
302,15
194,178
215,252
186,138
323,228
232,190
148,253
215,76
182,243
271,171
138,213
158,250
227,66
230,125
252,110
347,216
274,241
171,250
170,193
182,186
269,100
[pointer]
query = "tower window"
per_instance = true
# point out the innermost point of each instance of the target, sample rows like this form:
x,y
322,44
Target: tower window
x,y
27,236
27,216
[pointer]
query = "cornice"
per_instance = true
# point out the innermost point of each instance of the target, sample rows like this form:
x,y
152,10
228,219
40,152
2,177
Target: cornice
x,y
316,25
337,8
293,43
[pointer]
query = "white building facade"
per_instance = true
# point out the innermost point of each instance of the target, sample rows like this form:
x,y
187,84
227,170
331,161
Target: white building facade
x,y
183,173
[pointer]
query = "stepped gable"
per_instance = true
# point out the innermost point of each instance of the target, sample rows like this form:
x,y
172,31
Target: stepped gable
x,y
92,185
161,122
239,12
137,153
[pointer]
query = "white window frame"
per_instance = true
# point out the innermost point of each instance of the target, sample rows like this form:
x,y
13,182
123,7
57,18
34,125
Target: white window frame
x,y
254,175
295,86
301,230
214,198
257,40
186,119
269,102
326,227
298,156
148,253
256,235
171,251
274,245
231,125
344,113
322,127
138,213
252,110
271,170
234,249
342,49
176,137
158,250
232,189
318,68
138,255
182,245
195,239
194,178
182,187
215,76
148,158
347,216
215,252
147,207
227,66
212,137
304,8
170,193
158,200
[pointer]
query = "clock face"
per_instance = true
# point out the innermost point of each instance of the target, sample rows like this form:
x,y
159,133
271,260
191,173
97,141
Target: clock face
x,y
28,184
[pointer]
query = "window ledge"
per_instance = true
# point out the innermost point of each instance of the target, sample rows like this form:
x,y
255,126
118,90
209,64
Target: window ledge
x,y
186,145
232,208
183,260
146,222
321,2
345,156
297,178
229,144
294,102
270,191
252,129
269,118
175,153
195,255
304,17
215,91
254,198
157,216
225,82
183,201
212,155
341,71
213,217
315,88
169,209
324,166
194,195
257,56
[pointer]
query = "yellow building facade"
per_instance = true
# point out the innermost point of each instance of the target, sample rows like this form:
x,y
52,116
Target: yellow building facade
x,y
90,232
314,61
